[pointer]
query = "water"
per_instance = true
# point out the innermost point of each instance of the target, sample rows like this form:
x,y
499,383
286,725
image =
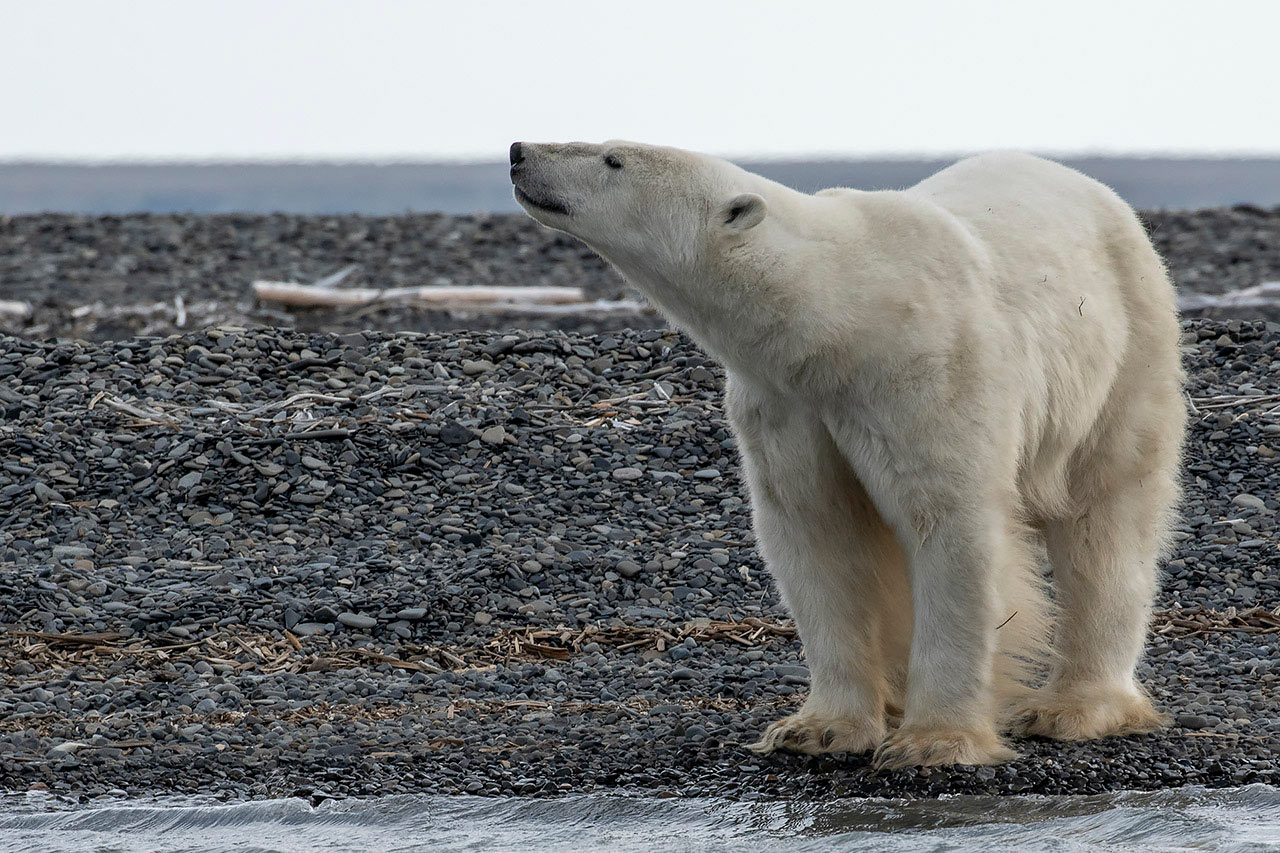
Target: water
x,y
1145,182
1239,819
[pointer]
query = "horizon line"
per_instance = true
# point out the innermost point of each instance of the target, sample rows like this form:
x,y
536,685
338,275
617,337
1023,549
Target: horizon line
x,y
463,160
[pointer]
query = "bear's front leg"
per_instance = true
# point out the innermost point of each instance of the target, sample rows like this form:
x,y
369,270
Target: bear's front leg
x,y
950,716
827,549
825,574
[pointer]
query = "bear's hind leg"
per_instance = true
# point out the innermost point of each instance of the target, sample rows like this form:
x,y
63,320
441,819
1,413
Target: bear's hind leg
x,y
1104,570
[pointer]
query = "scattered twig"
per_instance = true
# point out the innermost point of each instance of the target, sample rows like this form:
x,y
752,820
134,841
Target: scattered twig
x,y
334,279
560,643
1227,401
1188,622
265,652
137,411
297,398
319,435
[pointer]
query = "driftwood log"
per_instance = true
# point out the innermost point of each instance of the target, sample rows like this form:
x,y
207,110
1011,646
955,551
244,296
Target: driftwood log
x,y
538,300
1262,295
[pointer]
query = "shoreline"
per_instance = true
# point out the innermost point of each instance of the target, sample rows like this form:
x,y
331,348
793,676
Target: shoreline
x,y
276,563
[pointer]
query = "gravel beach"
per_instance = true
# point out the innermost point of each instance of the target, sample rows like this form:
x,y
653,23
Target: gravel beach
x,y
259,562
112,277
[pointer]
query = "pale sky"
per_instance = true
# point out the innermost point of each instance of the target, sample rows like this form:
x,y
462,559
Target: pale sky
x,y
392,79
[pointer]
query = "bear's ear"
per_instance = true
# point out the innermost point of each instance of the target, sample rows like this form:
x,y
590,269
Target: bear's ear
x,y
743,212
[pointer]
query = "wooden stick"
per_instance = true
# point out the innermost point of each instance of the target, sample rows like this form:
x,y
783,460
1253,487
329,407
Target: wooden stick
x,y
12,309
601,306
140,413
288,293
1259,296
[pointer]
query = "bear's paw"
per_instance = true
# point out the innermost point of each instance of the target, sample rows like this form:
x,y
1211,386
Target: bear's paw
x,y
818,735
915,745
1089,715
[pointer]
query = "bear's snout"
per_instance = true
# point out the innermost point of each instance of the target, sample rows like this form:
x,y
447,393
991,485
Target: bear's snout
x,y
531,185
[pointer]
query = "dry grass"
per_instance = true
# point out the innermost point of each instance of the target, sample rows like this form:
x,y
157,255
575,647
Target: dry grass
x,y
244,651
1193,621
266,653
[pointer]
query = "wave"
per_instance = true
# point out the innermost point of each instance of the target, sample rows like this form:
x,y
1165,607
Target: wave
x,y
1237,819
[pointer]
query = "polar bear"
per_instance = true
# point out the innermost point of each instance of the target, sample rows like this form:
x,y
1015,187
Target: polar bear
x,y
931,389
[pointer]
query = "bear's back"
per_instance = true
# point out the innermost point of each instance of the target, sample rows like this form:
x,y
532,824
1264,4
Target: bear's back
x,y
993,193
1044,226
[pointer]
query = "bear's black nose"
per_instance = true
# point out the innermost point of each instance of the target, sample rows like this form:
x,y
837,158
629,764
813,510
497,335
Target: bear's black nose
x,y
516,153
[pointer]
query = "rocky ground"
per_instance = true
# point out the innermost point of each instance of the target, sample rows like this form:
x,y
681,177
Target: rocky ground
x,y
111,277
264,562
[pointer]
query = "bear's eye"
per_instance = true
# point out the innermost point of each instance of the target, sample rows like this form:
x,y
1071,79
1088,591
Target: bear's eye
x,y
613,161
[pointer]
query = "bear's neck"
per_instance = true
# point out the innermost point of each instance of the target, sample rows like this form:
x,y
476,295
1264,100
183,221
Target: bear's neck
x,y
758,306
740,318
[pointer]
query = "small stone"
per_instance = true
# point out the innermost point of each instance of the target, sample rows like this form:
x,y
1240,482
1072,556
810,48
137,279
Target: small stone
x,y
627,473
453,432
1195,721
627,568
499,347
1249,501
357,620
494,435
46,494
482,618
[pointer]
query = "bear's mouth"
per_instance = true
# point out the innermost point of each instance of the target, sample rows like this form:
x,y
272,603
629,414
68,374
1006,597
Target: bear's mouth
x,y
547,204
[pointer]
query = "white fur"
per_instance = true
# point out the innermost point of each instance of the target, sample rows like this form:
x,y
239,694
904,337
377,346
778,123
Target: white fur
x,y
925,385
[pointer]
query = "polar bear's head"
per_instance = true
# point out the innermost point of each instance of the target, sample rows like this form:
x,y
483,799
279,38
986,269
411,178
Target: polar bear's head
x,y
655,213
